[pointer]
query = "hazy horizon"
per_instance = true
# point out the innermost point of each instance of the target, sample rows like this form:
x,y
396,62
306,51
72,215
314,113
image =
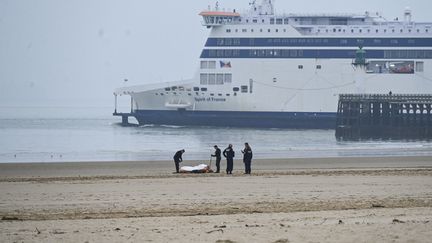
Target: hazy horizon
x,y
75,53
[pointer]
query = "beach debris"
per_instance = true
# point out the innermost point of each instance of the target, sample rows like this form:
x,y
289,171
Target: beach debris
x,y
225,241
213,231
38,231
219,227
57,232
282,241
117,229
378,206
9,218
397,221
253,226
340,221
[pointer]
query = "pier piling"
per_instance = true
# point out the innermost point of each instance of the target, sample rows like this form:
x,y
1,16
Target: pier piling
x,y
377,116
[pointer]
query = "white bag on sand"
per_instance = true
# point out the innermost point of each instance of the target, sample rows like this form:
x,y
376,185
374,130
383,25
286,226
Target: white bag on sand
x,y
202,168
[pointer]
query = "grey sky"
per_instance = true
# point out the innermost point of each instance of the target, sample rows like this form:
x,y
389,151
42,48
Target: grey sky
x,y
75,52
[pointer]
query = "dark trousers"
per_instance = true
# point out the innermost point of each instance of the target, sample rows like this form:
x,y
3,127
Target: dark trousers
x,y
177,165
218,160
247,166
230,166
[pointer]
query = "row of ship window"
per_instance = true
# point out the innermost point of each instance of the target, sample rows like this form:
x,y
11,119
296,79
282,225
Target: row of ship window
x,y
334,30
215,78
316,41
414,54
208,65
197,90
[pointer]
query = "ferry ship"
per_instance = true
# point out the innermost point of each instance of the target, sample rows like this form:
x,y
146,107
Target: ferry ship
x,y
268,70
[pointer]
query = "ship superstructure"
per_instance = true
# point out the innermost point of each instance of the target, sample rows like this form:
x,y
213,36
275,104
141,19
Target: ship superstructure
x,y
261,69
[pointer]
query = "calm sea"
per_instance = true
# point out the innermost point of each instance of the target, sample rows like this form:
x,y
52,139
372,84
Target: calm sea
x,y
69,134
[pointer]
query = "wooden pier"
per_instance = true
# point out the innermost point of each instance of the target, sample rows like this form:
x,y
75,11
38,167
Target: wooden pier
x,y
391,116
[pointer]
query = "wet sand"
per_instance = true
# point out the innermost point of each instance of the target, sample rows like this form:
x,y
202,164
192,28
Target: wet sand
x,y
294,200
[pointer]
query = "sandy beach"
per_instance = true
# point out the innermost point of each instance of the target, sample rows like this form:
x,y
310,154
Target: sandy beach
x,y
386,199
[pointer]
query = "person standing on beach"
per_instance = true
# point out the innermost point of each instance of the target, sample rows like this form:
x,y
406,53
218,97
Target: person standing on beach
x,y
178,159
229,155
217,154
247,158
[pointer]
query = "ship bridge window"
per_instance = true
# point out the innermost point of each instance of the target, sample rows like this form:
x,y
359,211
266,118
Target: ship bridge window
x,y
204,64
167,89
272,21
236,89
244,30
244,88
212,79
228,78
196,89
212,64
204,79
203,89
318,67
255,21
286,21
219,79
419,66
390,67
228,30
279,21
300,66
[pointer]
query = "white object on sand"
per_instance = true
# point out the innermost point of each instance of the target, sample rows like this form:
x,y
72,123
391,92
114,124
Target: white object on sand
x,y
198,168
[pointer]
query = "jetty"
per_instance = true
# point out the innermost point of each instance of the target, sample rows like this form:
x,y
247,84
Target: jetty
x,y
379,116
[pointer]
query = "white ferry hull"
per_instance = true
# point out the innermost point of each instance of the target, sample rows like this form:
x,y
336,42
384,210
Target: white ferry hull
x,y
261,70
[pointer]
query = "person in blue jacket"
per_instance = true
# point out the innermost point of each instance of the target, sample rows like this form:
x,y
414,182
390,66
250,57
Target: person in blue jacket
x,y
247,158
178,159
229,154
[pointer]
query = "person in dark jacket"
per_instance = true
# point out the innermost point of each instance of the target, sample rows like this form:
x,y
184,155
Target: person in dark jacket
x,y
247,158
178,159
217,154
229,154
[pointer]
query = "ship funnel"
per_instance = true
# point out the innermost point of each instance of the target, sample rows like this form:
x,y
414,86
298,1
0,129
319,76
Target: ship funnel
x,y
407,15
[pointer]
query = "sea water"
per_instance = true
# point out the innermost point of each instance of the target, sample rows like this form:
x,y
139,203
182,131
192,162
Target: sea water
x,y
69,134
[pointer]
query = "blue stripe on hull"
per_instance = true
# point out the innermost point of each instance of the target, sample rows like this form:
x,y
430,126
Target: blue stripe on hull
x,y
293,120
